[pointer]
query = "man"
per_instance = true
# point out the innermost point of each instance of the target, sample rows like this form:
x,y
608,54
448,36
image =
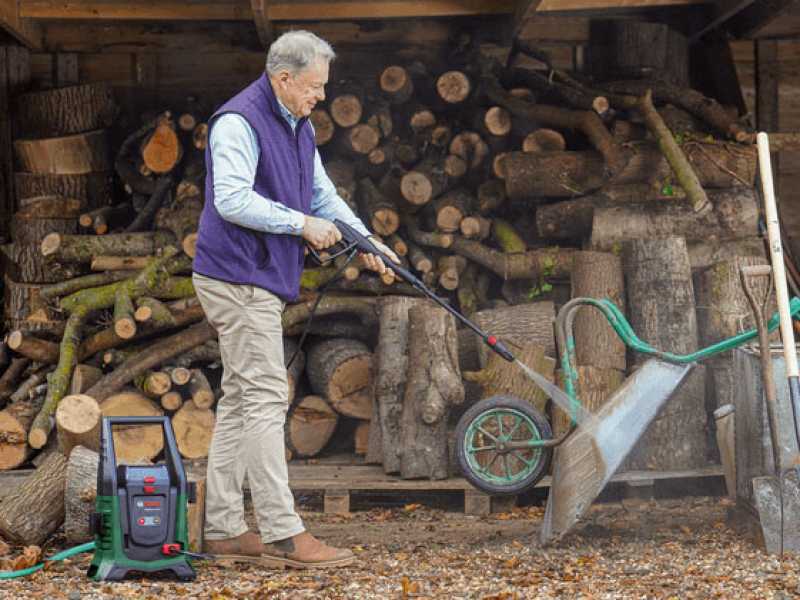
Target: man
x,y
267,194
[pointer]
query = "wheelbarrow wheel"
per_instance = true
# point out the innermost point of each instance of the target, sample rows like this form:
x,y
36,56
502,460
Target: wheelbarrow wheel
x,y
496,445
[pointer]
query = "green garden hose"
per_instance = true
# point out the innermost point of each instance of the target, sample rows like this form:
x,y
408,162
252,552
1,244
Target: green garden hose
x,y
64,554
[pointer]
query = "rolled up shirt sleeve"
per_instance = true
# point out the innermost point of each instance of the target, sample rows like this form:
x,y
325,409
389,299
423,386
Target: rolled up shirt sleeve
x,y
235,152
326,202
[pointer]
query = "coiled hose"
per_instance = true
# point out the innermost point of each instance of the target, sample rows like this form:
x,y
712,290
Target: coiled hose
x,y
64,554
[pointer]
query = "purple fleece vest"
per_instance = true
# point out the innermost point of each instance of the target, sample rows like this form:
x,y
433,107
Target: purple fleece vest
x,y
284,174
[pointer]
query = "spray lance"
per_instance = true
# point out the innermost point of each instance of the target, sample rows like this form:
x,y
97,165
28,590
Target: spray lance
x,y
354,241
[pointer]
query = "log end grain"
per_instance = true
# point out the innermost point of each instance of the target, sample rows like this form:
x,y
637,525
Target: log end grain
x,y
497,121
193,429
453,87
346,110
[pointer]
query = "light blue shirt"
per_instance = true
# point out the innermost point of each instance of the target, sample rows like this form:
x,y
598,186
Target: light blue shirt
x,y
235,152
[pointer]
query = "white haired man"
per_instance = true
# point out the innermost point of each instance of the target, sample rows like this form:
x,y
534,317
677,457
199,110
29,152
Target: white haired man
x,y
267,194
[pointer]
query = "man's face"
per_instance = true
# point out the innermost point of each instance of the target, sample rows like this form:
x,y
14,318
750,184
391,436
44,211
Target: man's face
x,y
301,91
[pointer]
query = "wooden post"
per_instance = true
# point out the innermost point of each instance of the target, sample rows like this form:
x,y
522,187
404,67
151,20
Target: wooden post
x,y
196,517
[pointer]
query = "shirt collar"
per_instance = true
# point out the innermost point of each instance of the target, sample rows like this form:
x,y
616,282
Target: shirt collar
x,y
286,113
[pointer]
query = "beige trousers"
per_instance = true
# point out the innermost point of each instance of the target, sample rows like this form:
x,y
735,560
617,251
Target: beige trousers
x,y
248,436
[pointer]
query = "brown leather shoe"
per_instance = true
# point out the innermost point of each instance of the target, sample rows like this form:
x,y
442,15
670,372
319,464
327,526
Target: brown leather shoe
x,y
304,551
247,547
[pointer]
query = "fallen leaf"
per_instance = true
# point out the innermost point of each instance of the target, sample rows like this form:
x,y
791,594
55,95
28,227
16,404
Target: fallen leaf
x,y
29,557
411,507
4,548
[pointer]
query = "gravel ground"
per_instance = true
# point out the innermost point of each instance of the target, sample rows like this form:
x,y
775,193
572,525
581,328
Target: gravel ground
x,y
657,549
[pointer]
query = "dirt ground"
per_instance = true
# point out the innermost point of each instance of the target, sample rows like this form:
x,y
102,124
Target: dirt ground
x,y
631,549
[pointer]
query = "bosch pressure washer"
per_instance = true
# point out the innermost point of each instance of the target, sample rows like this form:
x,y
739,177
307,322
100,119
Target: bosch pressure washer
x,y
140,523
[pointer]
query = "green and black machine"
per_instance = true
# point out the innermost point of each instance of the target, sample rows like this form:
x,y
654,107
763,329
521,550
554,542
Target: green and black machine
x,y
140,523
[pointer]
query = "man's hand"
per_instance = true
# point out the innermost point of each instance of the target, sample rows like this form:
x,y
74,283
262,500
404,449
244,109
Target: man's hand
x,y
320,233
373,262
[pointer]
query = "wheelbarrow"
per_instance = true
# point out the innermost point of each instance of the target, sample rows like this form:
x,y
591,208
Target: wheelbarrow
x,y
505,445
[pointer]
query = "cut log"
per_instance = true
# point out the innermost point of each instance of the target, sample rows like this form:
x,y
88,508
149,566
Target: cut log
x,y
379,214
734,215
491,196
153,384
70,155
475,227
134,443
361,437
722,312
181,220
433,385
64,288
358,141
15,420
66,110
80,494
471,147
704,254
78,423
424,183
82,248
27,311
33,511
11,375
310,424
566,174
153,311
572,219
31,347
120,263
161,149
451,208
546,263
324,127
340,370
24,263
503,378
598,275
661,307
92,189
342,175
396,84
84,377
449,269
193,429
595,386
200,390
455,167
544,140
346,110
107,218
124,323
200,136
507,237
453,87
171,401
179,375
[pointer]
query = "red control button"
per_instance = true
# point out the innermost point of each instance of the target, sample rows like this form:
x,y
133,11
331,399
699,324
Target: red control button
x,y
141,521
149,479
149,489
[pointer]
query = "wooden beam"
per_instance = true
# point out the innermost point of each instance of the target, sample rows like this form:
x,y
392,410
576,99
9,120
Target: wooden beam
x,y
525,11
261,18
723,10
754,18
24,30
575,5
207,10
767,78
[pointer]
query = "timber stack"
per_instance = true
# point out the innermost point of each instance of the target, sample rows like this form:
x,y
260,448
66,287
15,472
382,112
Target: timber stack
x,y
507,189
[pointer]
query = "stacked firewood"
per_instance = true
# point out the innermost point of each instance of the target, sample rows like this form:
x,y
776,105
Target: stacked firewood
x,y
499,185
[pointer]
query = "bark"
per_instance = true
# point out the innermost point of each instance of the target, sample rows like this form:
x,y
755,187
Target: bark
x,y
134,443
84,377
433,385
11,375
297,314
449,269
29,230
704,254
120,263
598,275
544,140
361,437
418,259
78,423
64,288
32,347
66,110
546,263
426,238
124,323
34,510
734,215
80,494
70,155
661,309
81,248
107,218
309,426
24,263
379,214
566,174
193,428
155,312
181,220
25,309
340,370
491,196
92,189
507,237
501,377
572,219
156,354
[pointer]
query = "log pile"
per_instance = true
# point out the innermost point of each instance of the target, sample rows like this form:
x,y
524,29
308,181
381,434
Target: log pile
x,y
505,189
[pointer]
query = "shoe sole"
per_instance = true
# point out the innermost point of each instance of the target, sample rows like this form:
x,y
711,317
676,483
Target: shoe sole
x,y
288,563
262,561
